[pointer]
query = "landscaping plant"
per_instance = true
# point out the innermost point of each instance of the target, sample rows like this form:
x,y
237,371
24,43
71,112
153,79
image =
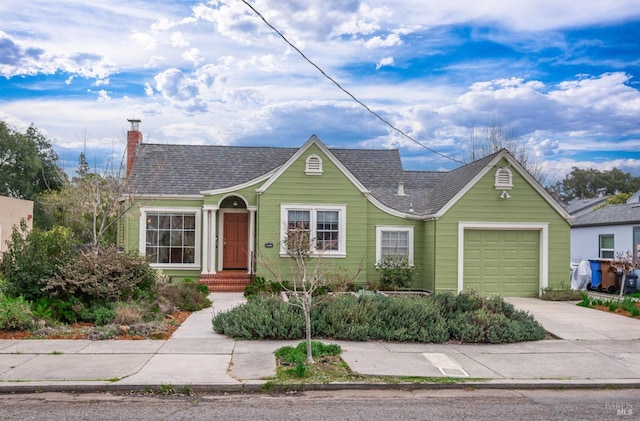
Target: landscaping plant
x,y
395,272
466,317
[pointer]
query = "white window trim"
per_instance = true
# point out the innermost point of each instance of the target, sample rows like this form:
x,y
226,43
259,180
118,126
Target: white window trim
x,y
142,246
500,185
601,249
396,228
313,171
342,218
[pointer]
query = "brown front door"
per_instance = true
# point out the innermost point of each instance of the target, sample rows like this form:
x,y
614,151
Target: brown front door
x,y
236,239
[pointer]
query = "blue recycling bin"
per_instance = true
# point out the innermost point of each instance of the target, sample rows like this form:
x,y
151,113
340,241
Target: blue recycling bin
x,y
596,274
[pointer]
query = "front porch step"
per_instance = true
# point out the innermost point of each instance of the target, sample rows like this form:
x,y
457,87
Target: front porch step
x,y
226,281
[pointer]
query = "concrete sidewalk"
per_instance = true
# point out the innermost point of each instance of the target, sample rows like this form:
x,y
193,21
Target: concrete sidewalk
x,y
198,358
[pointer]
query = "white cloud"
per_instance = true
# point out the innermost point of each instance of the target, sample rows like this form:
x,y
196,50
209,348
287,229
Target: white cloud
x,y
145,41
391,40
179,40
387,61
193,55
103,95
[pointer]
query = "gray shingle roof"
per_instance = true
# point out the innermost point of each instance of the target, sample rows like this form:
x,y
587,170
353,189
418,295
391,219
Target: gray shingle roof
x,y
579,206
191,169
454,181
610,215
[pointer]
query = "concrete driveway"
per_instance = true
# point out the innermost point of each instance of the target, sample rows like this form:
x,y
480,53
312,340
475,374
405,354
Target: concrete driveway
x,y
566,320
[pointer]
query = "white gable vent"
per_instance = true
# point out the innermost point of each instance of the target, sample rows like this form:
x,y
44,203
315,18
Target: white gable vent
x,y
314,165
504,179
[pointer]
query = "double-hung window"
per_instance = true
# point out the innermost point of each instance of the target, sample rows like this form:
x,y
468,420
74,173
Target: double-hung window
x,y
169,237
319,228
607,249
392,241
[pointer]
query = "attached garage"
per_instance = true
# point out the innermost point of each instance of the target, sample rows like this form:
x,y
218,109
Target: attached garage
x,y
505,260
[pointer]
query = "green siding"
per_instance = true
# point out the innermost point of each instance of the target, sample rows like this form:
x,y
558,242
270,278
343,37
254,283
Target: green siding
x,y
482,203
435,241
378,217
293,186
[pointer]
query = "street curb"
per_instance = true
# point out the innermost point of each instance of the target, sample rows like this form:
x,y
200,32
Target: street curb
x,y
187,389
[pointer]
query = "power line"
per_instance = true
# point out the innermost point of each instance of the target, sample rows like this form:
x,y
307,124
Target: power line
x,y
378,116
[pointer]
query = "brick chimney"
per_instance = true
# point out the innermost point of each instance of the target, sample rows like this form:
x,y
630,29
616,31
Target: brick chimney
x,y
134,137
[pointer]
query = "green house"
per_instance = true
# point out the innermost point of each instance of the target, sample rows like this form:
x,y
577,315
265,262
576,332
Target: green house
x,y
221,214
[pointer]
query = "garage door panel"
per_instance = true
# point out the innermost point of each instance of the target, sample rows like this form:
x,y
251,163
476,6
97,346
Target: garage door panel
x,y
504,262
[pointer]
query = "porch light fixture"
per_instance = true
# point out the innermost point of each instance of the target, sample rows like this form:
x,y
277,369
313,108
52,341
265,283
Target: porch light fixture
x,y
235,203
505,195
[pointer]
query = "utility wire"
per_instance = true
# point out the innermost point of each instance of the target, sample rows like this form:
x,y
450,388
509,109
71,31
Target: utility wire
x,y
378,116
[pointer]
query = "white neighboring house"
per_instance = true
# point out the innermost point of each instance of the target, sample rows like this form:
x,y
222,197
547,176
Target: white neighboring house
x,y
11,212
607,231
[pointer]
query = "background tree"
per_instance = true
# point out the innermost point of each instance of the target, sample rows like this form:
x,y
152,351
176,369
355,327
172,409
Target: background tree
x,y
590,183
28,167
90,205
497,137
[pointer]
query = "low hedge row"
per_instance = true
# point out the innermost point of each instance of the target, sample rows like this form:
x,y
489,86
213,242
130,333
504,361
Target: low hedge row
x,y
466,317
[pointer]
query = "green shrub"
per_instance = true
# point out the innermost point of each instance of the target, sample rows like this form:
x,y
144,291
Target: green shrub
x,y
261,318
367,317
33,257
188,295
496,321
460,303
66,311
15,313
99,314
104,275
378,317
395,272
260,286
41,309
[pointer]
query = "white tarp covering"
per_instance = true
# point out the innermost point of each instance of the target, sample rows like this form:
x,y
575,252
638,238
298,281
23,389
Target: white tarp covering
x,y
581,276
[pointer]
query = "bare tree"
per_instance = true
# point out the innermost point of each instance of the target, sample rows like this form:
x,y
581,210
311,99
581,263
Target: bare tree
x,y
310,271
624,263
499,137
91,204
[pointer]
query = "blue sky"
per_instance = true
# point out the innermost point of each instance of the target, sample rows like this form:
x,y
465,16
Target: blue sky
x,y
562,76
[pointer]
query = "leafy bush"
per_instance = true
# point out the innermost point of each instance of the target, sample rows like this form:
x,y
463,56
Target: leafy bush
x,y
99,314
466,317
188,295
395,272
103,275
378,317
15,313
474,319
261,318
260,286
33,257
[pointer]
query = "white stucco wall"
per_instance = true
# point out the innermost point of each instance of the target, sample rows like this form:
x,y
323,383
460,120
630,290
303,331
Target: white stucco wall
x,y
585,240
11,211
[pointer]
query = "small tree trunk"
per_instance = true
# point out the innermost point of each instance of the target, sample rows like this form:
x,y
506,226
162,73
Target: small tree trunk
x,y
307,323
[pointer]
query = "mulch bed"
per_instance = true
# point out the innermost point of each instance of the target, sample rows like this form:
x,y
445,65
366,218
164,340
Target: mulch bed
x,y
81,330
619,311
